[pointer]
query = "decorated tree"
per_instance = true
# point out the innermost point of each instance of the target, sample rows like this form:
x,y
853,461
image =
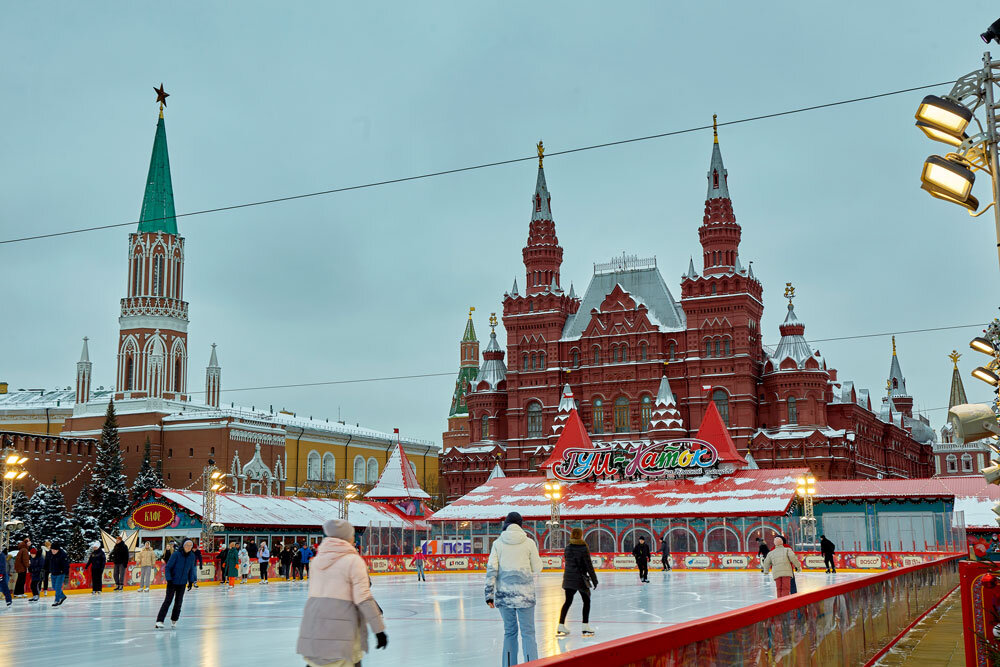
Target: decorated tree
x,y
109,483
78,546
85,516
21,511
148,477
50,521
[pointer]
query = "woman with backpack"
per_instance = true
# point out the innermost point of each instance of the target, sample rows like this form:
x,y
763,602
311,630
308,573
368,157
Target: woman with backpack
x,y
578,576
782,562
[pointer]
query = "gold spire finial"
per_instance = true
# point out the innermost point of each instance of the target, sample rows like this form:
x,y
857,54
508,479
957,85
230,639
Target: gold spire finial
x,y
472,309
541,153
894,346
955,356
789,293
715,127
493,322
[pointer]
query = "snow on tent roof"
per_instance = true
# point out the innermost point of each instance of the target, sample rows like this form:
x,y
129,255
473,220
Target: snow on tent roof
x,y
238,509
574,435
397,481
743,493
714,431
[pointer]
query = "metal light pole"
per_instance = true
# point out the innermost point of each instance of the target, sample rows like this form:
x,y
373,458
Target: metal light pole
x,y
10,471
346,491
553,491
212,480
806,490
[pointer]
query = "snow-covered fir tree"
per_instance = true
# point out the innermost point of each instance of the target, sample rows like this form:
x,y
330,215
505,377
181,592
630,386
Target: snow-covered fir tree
x,y
85,515
50,520
148,477
109,484
21,511
77,547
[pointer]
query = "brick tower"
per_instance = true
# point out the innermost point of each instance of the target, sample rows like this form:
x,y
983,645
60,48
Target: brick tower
x,y
458,433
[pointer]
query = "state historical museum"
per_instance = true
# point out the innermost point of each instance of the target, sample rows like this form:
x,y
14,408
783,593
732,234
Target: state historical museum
x,y
639,365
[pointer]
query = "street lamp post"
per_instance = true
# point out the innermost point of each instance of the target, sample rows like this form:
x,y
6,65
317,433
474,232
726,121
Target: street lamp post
x,y
212,479
346,491
10,472
806,490
553,492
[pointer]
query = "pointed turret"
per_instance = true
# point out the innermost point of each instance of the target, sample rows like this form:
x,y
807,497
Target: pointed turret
x,y
896,385
496,472
157,213
83,371
468,365
957,394
566,405
513,290
397,481
719,233
213,380
713,430
666,418
572,292
691,273
542,255
793,345
493,371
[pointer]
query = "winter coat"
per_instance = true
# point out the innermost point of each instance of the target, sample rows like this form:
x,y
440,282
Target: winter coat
x,y
232,565
762,550
221,557
305,554
58,563
180,569
641,551
252,550
263,555
244,562
665,548
22,559
340,603
119,554
285,556
826,547
146,558
578,572
511,568
36,565
782,562
96,562
197,556
167,554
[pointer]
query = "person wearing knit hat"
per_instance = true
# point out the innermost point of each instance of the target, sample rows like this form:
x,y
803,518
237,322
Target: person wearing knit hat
x,y
58,567
510,587
340,608
95,564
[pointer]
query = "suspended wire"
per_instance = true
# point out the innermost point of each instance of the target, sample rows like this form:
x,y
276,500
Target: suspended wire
x,y
327,383
485,165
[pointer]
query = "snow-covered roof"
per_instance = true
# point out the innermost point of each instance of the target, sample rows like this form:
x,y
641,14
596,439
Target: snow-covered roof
x,y
397,481
794,432
645,285
48,398
793,345
237,509
743,493
493,371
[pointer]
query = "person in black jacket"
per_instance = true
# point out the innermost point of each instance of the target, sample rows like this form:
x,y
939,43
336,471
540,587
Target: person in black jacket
x,y
35,567
58,567
762,551
642,554
96,564
827,548
578,575
119,556
665,553
180,570
220,560
287,554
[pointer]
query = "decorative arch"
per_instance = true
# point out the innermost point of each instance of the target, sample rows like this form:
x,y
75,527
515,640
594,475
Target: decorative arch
x,y
534,424
646,411
313,466
681,539
630,538
721,538
551,532
372,471
597,415
623,417
600,540
359,469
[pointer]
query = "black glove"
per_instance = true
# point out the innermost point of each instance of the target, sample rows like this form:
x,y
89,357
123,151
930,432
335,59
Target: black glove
x,y
383,640
595,583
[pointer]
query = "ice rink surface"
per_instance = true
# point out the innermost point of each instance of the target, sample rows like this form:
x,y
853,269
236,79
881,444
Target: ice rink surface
x,y
441,622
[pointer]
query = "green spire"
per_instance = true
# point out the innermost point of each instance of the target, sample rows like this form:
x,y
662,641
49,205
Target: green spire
x,y
158,200
470,331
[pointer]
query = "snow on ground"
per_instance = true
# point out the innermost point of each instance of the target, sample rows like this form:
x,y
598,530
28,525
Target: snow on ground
x,y
441,622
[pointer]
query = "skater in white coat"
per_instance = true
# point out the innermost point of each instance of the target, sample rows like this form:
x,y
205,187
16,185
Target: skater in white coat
x,y
510,588
264,558
244,564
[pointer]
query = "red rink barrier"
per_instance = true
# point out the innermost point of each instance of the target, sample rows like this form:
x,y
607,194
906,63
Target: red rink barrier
x,y
843,624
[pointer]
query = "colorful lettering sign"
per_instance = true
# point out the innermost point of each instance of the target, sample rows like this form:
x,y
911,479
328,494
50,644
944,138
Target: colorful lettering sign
x,y
153,516
657,459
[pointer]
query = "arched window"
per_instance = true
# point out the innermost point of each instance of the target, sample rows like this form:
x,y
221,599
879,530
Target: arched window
x,y
129,374
177,375
136,274
372,471
725,347
713,289
708,348
485,427
538,203
715,179
895,383
597,355
313,466
329,467
359,469
793,411
721,400
524,361
177,278
672,351
647,412
534,361
952,462
598,426
157,275
718,351
642,351
621,415
576,358
967,463
623,353
535,420
541,361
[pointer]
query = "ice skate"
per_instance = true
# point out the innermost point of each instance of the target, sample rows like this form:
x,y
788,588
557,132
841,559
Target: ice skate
x,y
173,625
159,625
587,630
562,631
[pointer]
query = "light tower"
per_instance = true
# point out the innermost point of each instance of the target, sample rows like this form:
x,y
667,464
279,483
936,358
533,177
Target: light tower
x,y
553,491
807,489
212,479
346,491
10,472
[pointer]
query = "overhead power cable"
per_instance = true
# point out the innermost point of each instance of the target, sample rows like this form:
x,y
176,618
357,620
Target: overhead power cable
x,y
484,165
452,373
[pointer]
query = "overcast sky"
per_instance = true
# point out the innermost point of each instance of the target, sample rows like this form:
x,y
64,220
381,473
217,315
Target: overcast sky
x,y
270,100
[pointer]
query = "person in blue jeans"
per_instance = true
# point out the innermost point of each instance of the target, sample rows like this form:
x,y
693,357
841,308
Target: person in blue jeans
x,y
305,554
58,567
510,588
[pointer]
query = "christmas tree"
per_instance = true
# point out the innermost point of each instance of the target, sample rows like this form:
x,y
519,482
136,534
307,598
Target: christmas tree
x,y
148,477
78,546
109,484
50,521
21,511
85,516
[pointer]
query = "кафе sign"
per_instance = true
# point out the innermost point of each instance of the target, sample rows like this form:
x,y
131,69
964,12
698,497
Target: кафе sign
x,y
153,516
687,456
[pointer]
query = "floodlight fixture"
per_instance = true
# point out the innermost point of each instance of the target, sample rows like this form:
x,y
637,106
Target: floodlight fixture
x,y
22,474
992,33
937,134
943,114
10,474
948,177
986,375
12,459
984,345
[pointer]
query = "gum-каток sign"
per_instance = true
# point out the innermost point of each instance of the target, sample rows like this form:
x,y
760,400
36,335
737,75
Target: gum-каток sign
x,y
687,456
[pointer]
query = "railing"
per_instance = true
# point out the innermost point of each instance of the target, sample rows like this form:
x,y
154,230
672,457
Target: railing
x,y
844,624
624,263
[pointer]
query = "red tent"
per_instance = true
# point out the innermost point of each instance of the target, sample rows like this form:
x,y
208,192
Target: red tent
x,y
574,436
713,430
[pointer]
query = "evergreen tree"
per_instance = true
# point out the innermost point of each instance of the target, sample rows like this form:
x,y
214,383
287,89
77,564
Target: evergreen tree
x,y
109,483
49,508
78,546
85,516
21,511
148,477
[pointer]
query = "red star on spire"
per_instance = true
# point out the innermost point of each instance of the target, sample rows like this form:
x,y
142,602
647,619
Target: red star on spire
x,y
161,95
